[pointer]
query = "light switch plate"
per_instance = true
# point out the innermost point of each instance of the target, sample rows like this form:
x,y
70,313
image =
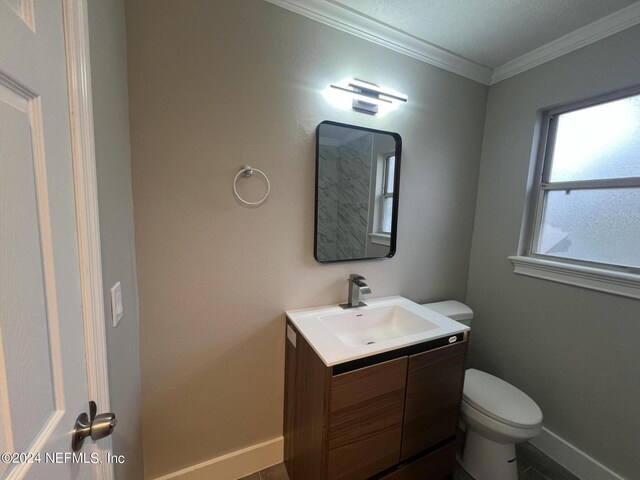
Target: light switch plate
x,y
117,310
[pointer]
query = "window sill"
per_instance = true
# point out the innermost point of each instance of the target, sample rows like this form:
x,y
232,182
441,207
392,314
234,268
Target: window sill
x,y
616,283
380,239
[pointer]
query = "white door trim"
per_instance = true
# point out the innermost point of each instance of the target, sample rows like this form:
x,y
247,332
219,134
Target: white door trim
x,y
76,27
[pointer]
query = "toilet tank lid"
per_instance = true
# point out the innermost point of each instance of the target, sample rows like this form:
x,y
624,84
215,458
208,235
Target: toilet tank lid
x,y
452,309
500,400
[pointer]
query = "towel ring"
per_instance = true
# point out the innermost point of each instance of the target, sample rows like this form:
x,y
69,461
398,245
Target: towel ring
x,y
246,171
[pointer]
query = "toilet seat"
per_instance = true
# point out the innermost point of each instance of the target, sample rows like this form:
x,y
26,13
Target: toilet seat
x,y
500,400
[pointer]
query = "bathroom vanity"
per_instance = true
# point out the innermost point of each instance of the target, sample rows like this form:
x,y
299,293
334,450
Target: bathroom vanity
x,y
372,392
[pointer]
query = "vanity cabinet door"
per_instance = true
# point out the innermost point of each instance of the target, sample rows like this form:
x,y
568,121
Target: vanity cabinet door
x,y
434,390
365,420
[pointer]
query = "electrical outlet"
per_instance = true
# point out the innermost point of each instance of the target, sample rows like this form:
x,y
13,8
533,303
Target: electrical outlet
x,y
117,310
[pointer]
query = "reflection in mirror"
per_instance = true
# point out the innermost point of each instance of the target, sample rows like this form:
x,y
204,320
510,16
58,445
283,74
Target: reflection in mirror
x,y
357,178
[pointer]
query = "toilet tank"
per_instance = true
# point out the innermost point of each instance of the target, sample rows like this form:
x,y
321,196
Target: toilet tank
x,y
454,310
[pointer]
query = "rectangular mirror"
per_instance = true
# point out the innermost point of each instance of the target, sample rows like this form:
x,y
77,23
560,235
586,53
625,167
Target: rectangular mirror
x,y
357,188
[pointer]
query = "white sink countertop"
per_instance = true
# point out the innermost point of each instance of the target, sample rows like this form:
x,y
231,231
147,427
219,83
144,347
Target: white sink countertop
x,y
385,324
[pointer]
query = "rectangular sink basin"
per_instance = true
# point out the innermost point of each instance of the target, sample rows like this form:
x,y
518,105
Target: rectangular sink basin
x,y
385,324
365,327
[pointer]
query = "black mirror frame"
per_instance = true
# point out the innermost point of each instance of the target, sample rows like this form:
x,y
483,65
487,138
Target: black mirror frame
x,y
396,192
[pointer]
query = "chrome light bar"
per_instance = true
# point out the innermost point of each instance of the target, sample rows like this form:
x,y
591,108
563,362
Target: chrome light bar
x,y
368,96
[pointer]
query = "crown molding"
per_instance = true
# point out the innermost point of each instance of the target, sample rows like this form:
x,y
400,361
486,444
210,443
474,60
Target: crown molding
x,y
602,28
342,18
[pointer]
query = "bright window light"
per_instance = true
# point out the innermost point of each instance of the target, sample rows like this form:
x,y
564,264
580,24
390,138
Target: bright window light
x,y
588,202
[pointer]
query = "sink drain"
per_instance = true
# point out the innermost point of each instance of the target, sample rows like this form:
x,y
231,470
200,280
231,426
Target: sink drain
x,y
369,343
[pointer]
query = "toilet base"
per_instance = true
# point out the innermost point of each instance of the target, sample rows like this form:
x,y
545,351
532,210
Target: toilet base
x,y
485,459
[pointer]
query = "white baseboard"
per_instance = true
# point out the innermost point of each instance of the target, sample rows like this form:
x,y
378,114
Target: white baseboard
x,y
234,465
249,460
572,458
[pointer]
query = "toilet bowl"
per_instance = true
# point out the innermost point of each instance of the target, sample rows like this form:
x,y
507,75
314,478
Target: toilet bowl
x,y
495,415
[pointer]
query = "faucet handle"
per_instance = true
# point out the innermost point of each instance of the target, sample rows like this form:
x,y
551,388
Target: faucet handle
x,y
355,277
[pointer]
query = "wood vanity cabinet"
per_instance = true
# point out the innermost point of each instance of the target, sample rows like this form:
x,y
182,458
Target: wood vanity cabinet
x,y
434,386
366,408
392,416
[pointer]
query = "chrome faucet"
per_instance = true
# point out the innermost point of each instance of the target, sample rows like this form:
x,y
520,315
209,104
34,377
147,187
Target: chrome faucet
x,y
357,287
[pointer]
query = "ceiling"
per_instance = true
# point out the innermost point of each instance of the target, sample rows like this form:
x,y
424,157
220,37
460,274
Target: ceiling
x,y
488,32
486,40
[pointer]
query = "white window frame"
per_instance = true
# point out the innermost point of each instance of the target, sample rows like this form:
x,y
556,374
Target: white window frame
x,y
616,279
377,235
384,195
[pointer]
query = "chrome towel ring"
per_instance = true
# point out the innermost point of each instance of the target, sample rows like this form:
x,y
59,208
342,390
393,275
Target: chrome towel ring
x,y
247,171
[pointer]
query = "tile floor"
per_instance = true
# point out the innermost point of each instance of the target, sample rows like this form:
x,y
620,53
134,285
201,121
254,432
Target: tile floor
x,y
532,465
277,472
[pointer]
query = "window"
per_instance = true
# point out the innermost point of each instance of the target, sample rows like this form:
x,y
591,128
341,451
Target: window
x,y
387,193
381,216
586,211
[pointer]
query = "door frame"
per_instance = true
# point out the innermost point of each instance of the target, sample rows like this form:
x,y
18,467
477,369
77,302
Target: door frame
x,y
76,33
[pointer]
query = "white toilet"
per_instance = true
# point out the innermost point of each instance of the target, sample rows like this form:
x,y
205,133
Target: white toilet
x,y
495,415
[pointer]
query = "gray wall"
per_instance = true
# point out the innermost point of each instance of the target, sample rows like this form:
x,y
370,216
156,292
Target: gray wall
x,y
213,85
111,121
575,351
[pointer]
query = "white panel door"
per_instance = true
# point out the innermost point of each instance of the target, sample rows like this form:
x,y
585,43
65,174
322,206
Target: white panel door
x,y
43,375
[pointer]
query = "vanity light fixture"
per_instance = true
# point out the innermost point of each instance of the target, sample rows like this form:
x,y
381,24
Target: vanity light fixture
x,y
368,97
